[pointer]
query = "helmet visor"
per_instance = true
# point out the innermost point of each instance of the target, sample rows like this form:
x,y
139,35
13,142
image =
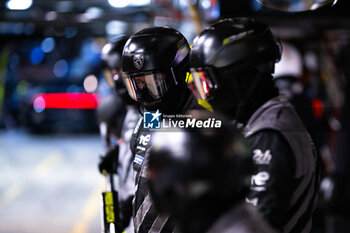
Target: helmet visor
x,y
149,87
205,83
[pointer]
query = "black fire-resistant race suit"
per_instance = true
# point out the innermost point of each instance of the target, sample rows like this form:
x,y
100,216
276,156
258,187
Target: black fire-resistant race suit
x,y
146,218
285,185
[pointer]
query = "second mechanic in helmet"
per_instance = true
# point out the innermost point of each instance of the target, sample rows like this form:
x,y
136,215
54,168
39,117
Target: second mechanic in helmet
x,y
155,61
232,62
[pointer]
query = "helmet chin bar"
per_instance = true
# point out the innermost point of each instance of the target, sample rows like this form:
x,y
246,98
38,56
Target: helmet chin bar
x,y
245,94
148,105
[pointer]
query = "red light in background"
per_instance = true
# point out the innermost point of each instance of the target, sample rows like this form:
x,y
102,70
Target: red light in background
x,y
67,100
317,107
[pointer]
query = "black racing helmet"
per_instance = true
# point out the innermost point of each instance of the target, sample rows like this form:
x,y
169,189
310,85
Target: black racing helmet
x,y
237,44
112,52
154,60
196,175
111,57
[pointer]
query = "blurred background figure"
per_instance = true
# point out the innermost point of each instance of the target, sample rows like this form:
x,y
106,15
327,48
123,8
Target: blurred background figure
x,y
292,80
117,116
288,71
201,178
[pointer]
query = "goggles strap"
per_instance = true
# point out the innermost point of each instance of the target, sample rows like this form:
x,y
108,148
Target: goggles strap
x,y
173,75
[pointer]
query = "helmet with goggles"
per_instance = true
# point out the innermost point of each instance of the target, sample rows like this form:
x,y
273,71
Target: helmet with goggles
x,y
234,44
154,60
111,57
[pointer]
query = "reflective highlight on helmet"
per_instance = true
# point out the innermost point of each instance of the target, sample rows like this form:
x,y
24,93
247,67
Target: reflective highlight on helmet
x,y
295,5
204,85
149,87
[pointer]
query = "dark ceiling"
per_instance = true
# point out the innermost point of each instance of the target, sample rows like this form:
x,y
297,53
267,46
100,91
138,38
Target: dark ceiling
x,y
63,13
86,14
72,11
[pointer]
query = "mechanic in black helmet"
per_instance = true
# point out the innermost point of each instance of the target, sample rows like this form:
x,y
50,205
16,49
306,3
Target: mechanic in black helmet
x,y
201,177
118,116
155,61
231,63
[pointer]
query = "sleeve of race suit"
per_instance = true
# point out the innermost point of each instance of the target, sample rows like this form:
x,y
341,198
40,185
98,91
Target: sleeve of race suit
x,y
273,180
